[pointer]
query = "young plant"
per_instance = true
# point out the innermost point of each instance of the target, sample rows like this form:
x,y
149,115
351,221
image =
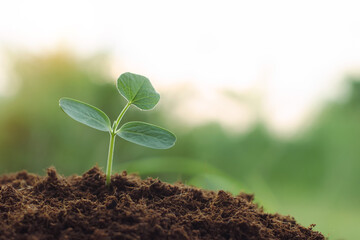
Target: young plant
x,y
138,91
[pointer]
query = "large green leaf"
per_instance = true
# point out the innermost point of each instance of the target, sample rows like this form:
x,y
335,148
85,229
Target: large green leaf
x,y
147,135
86,114
138,90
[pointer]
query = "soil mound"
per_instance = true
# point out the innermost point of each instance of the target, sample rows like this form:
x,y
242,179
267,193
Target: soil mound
x,y
81,207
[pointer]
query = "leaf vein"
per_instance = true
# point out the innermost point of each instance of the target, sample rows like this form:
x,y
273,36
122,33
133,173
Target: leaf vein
x,y
89,116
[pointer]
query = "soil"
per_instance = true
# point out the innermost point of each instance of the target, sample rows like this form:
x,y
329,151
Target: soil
x,y
82,207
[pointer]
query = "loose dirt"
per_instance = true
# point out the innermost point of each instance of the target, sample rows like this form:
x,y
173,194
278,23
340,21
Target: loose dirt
x,y
81,207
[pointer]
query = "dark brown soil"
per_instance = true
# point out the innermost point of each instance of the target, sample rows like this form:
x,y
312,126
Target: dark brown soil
x,y
81,207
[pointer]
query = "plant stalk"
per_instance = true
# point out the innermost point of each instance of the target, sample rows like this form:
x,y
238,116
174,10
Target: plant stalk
x,y
112,144
110,158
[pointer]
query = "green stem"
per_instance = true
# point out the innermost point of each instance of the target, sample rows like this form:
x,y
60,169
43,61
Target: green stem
x,y
121,115
112,144
110,158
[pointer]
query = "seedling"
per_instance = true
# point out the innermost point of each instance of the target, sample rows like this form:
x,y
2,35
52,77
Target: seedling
x,y
138,91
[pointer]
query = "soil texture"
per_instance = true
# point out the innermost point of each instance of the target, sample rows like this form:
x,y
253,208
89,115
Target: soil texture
x,y
82,207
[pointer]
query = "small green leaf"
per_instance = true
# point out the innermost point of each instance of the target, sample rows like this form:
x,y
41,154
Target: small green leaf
x,y
147,135
86,114
138,90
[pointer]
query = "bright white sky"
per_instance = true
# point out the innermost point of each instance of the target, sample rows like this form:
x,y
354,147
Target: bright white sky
x,y
291,53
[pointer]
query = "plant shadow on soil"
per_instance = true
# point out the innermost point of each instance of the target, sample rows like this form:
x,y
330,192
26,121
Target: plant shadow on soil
x,y
82,207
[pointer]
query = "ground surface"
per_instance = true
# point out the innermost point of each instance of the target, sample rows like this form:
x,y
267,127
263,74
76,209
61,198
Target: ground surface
x,y
81,207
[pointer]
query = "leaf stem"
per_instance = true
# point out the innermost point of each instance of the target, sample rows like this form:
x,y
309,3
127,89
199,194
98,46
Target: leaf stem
x,y
120,116
110,158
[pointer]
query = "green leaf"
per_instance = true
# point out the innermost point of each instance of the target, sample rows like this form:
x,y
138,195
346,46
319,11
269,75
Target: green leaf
x,y
147,135
86,114
138,90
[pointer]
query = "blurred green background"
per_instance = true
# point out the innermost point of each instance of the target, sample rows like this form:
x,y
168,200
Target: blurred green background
x,y
313,176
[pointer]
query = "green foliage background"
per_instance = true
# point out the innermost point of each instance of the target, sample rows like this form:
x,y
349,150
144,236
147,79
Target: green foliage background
x,y
313,176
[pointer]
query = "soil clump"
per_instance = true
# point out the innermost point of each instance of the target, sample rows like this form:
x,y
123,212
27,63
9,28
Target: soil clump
x,y
82,207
